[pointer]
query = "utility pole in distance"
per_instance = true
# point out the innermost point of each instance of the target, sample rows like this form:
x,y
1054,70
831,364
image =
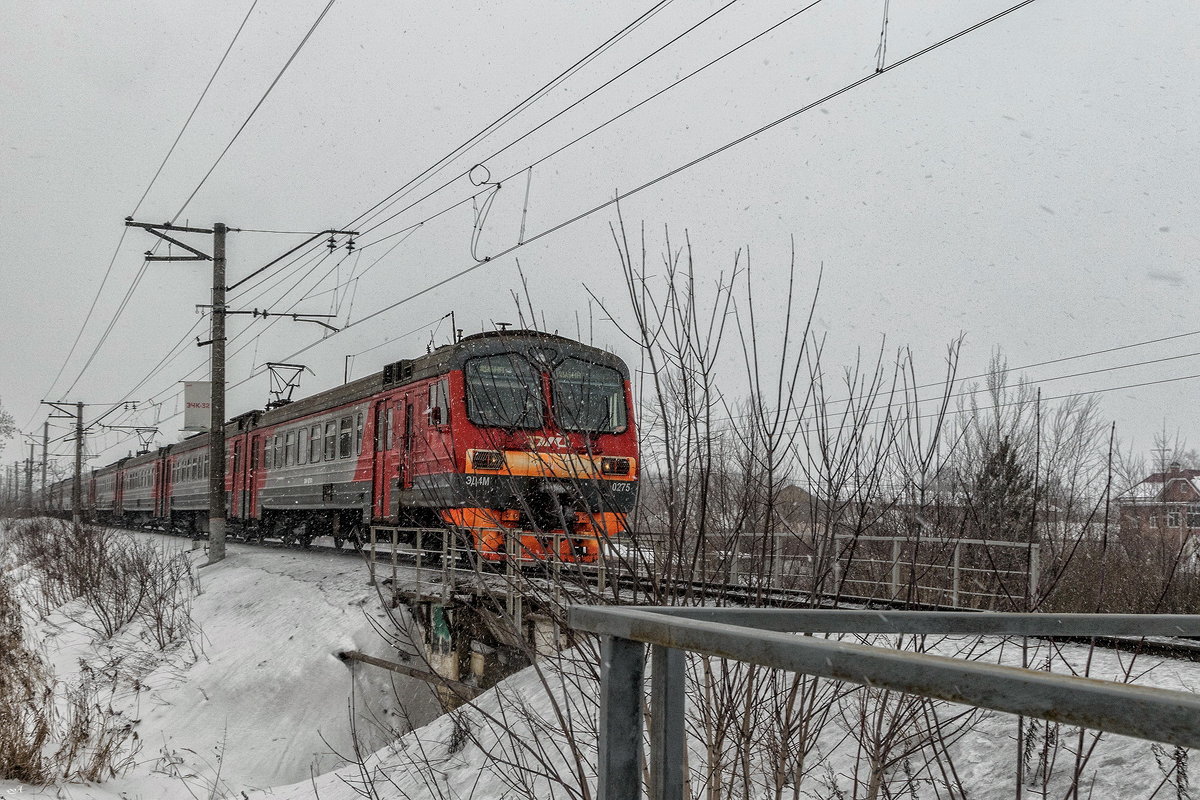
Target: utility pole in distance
x,y
71,411
217,507
29,479
77,485
45,457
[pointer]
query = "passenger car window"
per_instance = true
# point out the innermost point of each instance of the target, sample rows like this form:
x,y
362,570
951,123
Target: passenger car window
x,y
314,445
330,440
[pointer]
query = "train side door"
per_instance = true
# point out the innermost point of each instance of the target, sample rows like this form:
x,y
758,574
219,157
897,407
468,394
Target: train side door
x,y
168,483
251,494
406,457
380,474
237,484
159,491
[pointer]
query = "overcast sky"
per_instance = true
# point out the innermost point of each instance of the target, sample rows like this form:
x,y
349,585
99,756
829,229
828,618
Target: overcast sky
x,y
1033,184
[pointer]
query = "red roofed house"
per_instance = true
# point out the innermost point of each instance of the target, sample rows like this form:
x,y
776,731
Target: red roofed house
x,y
1165,502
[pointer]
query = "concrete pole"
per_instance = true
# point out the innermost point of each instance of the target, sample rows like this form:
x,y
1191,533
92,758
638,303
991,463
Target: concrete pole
x,y
45,457
29,479
216,428
77,484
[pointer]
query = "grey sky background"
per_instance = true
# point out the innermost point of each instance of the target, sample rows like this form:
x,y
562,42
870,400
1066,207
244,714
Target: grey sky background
x,y
1032,185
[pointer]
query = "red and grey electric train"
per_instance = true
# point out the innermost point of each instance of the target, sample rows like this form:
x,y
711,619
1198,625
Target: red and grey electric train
x,y
504,434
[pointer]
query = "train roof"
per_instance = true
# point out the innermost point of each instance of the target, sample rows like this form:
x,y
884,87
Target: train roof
x,y
536,344
548,346
440,361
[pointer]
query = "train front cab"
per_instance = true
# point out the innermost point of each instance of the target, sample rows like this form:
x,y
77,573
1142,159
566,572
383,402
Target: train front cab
x,y
544,446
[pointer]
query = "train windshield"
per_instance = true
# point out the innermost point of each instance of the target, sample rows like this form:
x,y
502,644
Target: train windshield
x,y
588,397
503,391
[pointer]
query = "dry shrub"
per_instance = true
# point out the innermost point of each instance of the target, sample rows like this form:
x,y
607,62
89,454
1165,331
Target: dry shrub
x,y
119,579
26,696
87,741
51,730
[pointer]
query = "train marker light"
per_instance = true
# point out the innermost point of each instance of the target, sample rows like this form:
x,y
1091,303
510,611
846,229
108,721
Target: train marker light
x,y
487,459
614,466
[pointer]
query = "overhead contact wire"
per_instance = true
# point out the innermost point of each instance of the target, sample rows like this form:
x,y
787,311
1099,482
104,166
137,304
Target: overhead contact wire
x,y
257,106
507,116
149,186
558,114
700,159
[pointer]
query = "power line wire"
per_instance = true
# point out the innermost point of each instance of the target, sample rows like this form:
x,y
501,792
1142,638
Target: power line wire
x,y
87,318
985,389
555,116
257,106
582,136
1118,348
533,97
507,116
619,196
112,324
195,108
997,406
172,354
149,186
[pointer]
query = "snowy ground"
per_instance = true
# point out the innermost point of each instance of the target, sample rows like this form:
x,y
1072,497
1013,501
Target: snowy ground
x,y
435,763
260,698
259,708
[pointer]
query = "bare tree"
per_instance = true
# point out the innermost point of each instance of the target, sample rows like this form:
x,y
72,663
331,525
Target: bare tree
x,y
7,427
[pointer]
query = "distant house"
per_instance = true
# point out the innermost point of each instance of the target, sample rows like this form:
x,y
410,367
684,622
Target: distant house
x,y
1166,502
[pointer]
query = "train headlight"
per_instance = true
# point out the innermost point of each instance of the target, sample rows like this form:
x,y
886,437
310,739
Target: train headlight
x,y
614,466
487,459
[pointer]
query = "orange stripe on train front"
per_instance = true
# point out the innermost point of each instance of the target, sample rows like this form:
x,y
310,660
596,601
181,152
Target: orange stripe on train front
x,y
522,463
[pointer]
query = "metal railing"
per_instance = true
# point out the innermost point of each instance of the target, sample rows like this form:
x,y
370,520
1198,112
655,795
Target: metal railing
x,y
452,552
766,637
934,571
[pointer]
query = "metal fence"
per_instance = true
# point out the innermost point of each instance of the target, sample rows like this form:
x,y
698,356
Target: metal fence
x,y
766,637
998,575
959,573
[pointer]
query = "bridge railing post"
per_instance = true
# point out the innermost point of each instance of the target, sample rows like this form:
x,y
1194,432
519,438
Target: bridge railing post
x,y
666,723
602,552
956,577
514,604
619,766
448,557
372,562
1035,575
895,568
